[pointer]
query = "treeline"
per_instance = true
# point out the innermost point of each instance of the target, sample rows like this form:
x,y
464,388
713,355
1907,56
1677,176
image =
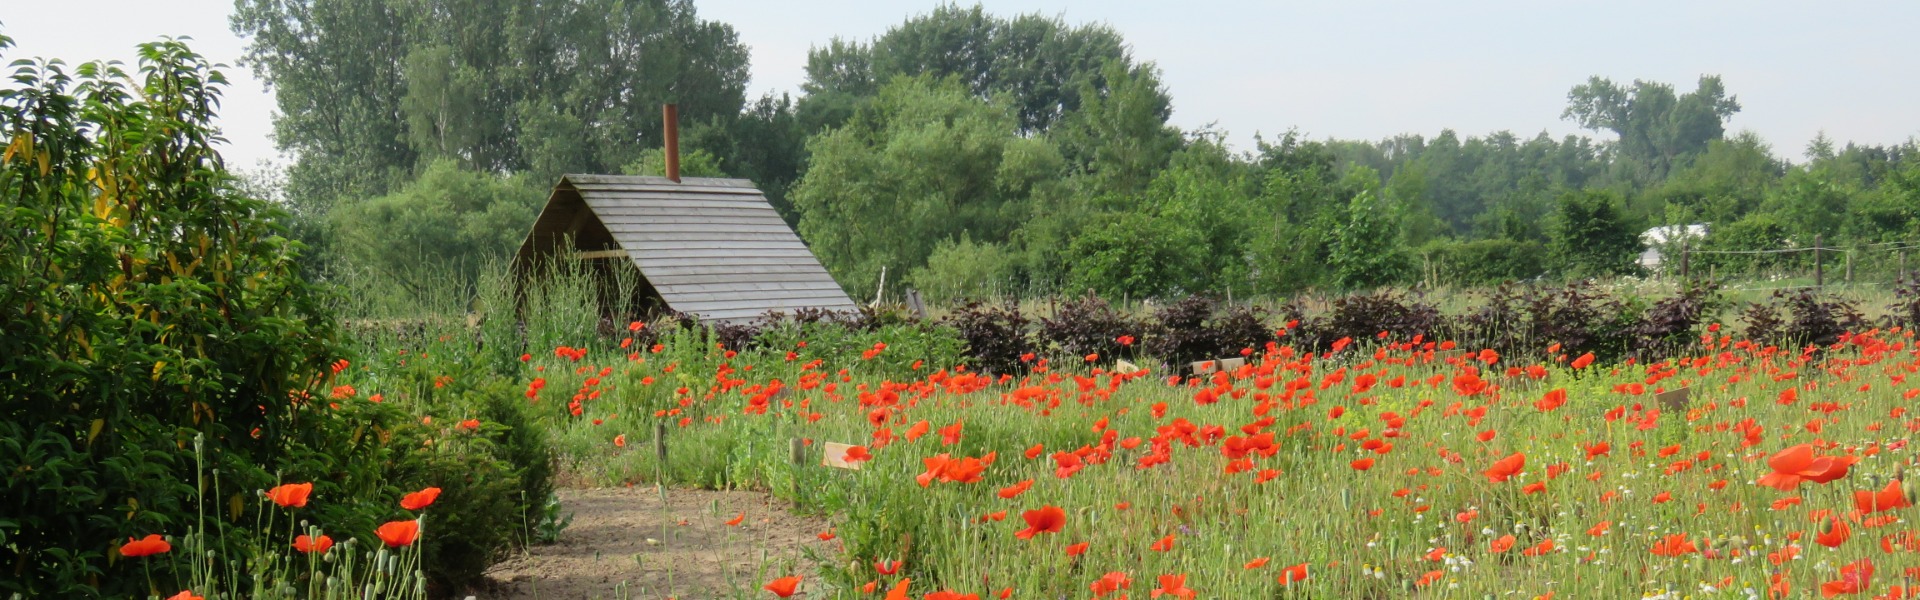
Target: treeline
x,y
970,154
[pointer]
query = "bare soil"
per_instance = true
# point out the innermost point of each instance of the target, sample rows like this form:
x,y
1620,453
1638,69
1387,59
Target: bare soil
x,y
627,543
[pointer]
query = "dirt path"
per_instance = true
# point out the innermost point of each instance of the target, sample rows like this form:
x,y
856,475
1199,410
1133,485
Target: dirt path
x,y
625,543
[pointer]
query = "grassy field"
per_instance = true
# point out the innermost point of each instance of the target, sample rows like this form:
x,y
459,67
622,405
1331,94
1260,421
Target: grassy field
x,y
1369,472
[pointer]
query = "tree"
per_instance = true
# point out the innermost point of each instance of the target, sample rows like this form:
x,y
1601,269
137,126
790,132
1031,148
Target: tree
x,y
1044,66
371,91
1590,238
451,219
923,162
1138,254
1367,252
1657,129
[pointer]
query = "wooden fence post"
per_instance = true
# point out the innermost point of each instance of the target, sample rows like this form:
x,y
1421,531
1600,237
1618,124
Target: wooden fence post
x,y
1902,274
660,459
1683,263
1819,274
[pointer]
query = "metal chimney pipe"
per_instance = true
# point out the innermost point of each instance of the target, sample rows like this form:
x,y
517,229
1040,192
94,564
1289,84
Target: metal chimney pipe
x,y
670,113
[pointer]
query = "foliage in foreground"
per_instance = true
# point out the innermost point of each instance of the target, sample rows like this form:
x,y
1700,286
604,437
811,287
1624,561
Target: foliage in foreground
x,y
166,362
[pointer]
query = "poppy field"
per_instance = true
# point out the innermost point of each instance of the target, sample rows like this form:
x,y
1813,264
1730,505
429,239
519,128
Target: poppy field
x,y
1385,467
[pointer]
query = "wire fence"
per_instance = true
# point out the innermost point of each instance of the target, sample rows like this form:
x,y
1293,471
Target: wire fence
x,y
1815,266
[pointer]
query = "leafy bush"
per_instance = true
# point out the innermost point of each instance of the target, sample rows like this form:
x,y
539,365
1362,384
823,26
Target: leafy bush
x,y
1802,317
1199,328
1090,326
1363,316
1674,322
996,337
1490,262
144,300
1524,319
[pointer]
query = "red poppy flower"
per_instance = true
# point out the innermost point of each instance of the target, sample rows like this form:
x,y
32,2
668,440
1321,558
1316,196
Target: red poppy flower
x,y
420,499
1506,468
1362,464
1501,544
1012,491
784,586
1048,519
1675,545
1164,544
1888,498
1834,534
1583,361
1798,464
1294,573
1112,582
185,595
290,495
312,545
1854,578
398,533
1077,549
856,454
147,546
1175,586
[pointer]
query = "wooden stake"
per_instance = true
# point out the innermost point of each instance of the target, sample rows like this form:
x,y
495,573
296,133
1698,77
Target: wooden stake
x,y
1819,274
660,459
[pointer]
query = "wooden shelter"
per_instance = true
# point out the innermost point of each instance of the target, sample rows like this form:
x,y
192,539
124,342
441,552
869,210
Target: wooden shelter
x,y
709,247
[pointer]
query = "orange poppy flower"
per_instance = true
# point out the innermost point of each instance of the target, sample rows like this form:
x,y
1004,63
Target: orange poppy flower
x,y
1256,563
1854,578
1501,544
1583,361
1798,464
1362,464
1163,545
1048,519
420,499
147,546
1675,545
1175,586
312,545
784,586
1012,491
290,495
1506,468
1112,582
856,454
398,533
185,595
1888,498
1834,534
1294,573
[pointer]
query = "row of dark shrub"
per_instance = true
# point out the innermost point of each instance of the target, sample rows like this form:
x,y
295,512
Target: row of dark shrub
x,y
1512,319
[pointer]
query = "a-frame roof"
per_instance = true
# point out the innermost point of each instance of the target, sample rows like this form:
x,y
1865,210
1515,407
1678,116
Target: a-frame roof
x,y
711,247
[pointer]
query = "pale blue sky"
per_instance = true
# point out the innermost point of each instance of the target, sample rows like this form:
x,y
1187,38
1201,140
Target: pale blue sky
x,y
1348,69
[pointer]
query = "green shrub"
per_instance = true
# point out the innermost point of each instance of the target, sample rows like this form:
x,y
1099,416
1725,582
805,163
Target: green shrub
x,y
144,300
1489,262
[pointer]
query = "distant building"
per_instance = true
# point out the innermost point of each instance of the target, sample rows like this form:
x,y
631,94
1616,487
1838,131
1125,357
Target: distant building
x,y
1668,238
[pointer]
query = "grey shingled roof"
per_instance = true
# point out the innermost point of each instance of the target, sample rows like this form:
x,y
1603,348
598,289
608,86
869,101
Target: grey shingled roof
x,y
710,247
